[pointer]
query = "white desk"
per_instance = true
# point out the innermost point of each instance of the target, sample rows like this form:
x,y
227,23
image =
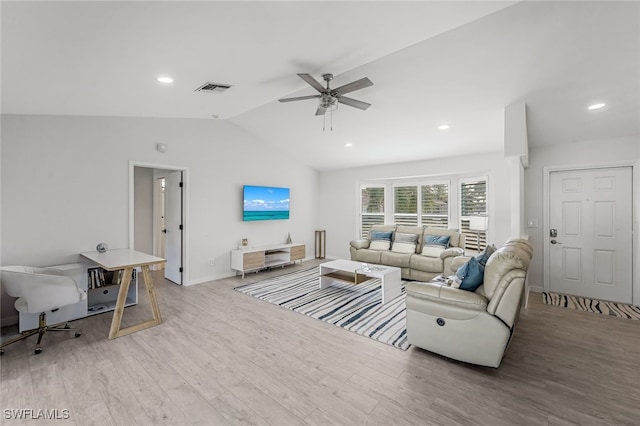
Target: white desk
x,y
127,259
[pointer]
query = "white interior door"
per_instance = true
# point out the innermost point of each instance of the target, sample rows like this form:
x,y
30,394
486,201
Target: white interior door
x,y
173,226
590,214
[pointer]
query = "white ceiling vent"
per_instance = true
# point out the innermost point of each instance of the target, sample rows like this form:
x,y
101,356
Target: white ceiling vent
x,y
213,87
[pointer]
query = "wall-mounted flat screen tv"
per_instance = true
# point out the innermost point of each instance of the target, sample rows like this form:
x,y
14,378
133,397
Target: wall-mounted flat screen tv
x,y
265,203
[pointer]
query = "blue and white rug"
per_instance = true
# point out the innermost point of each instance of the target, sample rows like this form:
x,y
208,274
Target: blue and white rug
x,y
357,308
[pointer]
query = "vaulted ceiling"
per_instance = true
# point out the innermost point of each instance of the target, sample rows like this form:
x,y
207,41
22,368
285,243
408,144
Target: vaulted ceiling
x,y
432,63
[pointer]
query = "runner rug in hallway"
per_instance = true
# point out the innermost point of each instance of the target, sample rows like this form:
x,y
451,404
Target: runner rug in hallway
x,y
357,308
592,305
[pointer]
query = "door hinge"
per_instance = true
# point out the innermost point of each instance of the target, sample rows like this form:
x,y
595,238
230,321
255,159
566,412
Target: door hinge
x,y
180,184
181,269
181,227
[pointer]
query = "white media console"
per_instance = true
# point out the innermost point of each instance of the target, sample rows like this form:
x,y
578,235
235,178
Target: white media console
x,y
248,259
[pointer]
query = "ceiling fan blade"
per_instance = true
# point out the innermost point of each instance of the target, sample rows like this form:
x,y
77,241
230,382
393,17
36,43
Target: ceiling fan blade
x,y
299,98
321,111
312,82
355,85
353,102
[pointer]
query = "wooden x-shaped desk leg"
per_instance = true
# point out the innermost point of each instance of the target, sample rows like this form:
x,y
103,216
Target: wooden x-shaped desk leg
x,y
115,330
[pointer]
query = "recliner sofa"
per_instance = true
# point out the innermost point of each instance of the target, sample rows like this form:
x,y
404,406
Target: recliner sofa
x,y
471,326
421,262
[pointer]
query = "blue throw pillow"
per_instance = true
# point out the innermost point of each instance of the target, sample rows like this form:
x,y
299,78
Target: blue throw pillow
x,y
471,274
380,235
437,240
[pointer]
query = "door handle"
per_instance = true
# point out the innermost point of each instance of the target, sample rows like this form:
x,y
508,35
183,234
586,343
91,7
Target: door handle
x,y
554,242
164,231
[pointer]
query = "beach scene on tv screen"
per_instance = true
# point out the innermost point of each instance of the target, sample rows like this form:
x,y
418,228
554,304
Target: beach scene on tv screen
x,y
265,203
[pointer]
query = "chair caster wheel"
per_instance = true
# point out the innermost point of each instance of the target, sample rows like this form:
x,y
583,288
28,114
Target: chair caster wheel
x,y
37,351
78,333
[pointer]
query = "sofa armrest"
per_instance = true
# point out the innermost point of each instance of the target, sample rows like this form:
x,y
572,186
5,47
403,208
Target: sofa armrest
x,y
458,261
446,295
451,252
360,244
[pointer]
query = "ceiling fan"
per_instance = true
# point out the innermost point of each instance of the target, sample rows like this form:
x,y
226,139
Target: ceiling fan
x,y
329,98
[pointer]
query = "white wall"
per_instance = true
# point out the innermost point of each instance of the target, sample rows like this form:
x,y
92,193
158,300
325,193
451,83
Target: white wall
x,y
65,187
339,192
143,209
578,154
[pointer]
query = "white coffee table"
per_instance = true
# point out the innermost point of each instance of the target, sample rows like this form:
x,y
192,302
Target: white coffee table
x,y
358,272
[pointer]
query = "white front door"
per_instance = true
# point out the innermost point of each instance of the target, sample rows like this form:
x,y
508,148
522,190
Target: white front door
x,y
173,226
590,233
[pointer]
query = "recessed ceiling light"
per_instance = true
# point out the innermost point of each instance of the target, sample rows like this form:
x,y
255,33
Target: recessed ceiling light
x,y
443,126
164,79
348,144
597,106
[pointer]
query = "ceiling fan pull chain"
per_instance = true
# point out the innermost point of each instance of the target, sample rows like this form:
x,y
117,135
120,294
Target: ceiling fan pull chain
x,y
331,119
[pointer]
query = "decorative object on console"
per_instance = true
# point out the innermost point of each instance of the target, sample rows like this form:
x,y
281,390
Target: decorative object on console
x,y
244,242
102,247
289,241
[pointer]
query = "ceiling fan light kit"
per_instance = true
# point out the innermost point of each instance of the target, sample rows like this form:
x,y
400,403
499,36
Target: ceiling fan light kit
x,y
330,98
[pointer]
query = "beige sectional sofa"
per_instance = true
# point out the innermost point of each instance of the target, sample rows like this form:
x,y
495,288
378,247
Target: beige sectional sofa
x,y
471,326
422,262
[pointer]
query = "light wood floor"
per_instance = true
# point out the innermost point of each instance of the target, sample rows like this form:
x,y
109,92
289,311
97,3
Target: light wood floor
x,y
222,357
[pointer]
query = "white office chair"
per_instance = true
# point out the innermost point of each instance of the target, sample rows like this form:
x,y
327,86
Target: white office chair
x,y
40,290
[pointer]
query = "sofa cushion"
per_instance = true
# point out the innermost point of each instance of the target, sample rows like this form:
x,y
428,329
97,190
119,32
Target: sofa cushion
x,y
381,235
380,240
432,251
381,228
399,260
368,256
453,234
437,240
379,245
404,243
471,275
426,263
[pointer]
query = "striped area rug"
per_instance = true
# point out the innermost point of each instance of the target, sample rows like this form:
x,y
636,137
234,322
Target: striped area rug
x,y
357,308
592,305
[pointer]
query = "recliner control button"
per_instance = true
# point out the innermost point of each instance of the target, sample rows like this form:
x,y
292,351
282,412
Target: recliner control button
x,y
440,322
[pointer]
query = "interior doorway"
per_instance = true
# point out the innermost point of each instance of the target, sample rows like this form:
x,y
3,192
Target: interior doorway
x,y
589,234
158,212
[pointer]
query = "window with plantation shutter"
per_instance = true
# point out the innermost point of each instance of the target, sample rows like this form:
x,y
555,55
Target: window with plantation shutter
x,y
372,202
473,203
405,202
435,205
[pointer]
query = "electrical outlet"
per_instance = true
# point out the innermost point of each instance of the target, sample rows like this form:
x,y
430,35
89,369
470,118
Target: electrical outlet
x,y
532,223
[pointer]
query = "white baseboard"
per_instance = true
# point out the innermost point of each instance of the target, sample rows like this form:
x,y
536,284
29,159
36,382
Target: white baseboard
x,y
536,288
13,320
